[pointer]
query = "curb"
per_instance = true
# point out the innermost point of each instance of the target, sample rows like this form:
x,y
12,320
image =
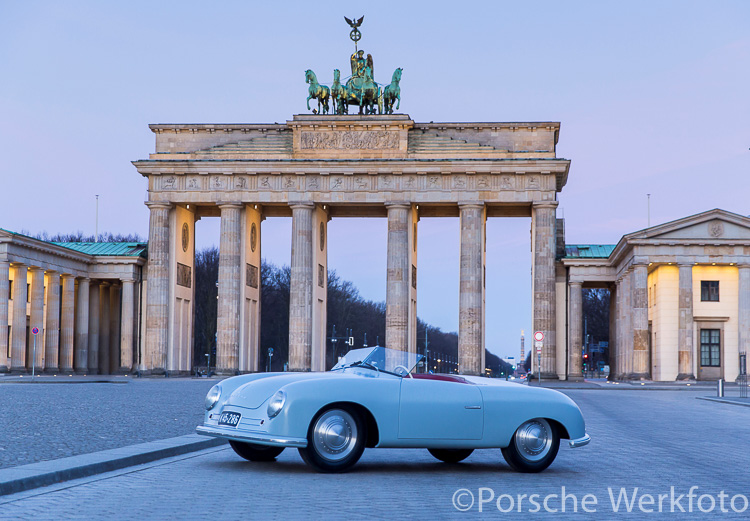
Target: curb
x,y
35,475
723,400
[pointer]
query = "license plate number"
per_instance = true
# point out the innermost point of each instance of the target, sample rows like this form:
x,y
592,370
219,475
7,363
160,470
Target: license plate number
x,y
230,419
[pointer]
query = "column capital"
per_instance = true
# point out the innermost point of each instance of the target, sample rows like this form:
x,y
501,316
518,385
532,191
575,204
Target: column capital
x,y
545,204
685,264
158,204
86,279
5,263
127,280
575,283
743,266
398,204
35,269
67,276
301,204
231,204
471,204
104,283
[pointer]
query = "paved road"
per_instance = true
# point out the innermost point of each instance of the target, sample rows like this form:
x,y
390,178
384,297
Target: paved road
x,y
651,440
40,422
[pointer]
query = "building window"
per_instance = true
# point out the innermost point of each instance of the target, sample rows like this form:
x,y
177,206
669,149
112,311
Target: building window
x,y
10,291
709,290
710,348
28,292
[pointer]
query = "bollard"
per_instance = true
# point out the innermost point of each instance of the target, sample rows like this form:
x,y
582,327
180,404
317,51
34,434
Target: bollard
x,y
720,388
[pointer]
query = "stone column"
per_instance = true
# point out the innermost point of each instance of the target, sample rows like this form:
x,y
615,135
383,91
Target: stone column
x,y
157,294
114,328
81,346
94,322
641,358
67,322
104,323
575,320
627,320
613,329
18,328
471,358
744,308
685,332
228,314
300,298
36,320
52,331
397,281
544,319
126,326
4,296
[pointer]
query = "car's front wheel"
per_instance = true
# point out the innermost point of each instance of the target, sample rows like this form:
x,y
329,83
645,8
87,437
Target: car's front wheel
x,y
335,440
533,447
451,455
253,452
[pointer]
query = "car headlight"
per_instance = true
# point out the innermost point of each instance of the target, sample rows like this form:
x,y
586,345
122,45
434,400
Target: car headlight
x,y
213,396
276,403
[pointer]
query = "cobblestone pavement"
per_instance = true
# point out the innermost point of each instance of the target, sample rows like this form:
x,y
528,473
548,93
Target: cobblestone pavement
x,y
646,440
48,421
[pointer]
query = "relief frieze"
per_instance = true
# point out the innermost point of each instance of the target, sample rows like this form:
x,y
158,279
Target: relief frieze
x,y
350,140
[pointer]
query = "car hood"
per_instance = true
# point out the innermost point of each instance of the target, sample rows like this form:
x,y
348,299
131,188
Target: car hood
x,y
253,394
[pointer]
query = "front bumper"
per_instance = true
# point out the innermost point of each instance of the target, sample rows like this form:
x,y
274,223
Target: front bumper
x,y
580,442
251,437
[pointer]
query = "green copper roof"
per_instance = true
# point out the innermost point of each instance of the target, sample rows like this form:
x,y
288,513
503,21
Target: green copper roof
x,y
122,249
588,251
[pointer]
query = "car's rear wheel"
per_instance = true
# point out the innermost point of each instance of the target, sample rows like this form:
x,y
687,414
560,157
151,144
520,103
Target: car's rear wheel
x,y
451,455
253,452
533,447
335,440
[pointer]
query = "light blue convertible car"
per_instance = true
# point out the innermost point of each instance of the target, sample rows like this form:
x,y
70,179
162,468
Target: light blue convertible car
x,y
372,399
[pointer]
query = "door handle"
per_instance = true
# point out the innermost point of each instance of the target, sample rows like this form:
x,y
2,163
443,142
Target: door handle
x,y
473,407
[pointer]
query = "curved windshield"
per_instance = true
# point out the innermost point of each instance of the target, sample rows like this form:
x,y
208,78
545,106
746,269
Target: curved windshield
x,y
380,358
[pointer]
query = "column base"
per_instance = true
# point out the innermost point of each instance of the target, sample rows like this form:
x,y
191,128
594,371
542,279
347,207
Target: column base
x,y
638,376
575,378
550,376
51,370
124,370
682,377
68,370
305,370
4,369
19,370
93,371
177,373
226,372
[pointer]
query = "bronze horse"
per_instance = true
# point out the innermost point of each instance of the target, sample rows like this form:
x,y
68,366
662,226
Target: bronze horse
x,y
392,92
317,91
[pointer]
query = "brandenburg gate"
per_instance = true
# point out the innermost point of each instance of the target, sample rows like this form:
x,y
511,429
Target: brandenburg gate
x,y
315,168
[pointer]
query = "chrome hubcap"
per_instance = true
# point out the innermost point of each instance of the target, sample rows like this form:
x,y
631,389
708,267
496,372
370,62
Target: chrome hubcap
x,y
335,435
534,439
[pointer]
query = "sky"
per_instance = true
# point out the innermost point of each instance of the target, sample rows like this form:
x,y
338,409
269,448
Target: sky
x,y
653,98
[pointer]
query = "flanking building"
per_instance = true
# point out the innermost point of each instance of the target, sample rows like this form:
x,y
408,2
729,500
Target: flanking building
x,y
82,298
680,299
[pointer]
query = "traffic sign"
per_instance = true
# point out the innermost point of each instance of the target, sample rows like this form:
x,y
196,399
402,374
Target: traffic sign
x,y
538,336
34,330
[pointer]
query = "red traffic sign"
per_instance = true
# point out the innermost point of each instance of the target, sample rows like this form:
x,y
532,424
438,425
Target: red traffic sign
x,y
34,330
538,336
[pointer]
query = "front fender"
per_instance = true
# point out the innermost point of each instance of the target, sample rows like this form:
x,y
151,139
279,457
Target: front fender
x,y
306,398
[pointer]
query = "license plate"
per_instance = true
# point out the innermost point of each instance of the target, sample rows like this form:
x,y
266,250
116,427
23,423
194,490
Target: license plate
x,y
230,419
